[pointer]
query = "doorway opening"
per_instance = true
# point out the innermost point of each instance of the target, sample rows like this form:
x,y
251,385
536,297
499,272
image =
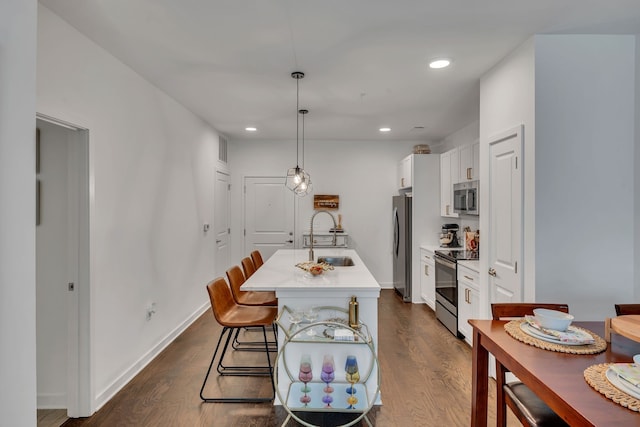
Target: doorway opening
x,y
62,268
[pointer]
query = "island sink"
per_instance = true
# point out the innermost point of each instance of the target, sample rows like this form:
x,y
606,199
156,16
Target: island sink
x,y
337,261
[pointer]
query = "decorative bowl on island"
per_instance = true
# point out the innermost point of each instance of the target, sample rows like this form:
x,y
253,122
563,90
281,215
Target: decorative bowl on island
x,y
553,319
315,268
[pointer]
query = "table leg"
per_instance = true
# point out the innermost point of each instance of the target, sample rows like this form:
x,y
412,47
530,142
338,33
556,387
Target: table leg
x,y
480,382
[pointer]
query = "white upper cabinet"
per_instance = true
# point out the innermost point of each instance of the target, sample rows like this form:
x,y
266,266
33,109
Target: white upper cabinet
x,y
469,161
449,168
405,171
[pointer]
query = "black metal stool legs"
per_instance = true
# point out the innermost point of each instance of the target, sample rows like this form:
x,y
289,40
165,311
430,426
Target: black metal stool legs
x,y
239,370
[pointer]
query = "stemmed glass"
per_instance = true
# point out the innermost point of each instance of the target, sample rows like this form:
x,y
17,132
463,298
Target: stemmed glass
x,y
305,375
311,314
327,376
352,376
295,317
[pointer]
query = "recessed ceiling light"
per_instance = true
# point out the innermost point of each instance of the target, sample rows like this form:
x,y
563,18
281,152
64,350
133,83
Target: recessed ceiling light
x,y
250,129
440,63
385,129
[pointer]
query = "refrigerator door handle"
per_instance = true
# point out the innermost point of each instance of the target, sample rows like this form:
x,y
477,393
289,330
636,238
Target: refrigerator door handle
x,y
396,233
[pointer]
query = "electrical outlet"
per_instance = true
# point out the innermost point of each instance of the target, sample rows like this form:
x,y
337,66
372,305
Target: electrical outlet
x,y
151,310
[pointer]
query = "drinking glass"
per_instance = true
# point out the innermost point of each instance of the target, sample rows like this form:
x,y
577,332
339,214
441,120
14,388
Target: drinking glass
x,y
305,375
295,317
327,376
311,314
352,376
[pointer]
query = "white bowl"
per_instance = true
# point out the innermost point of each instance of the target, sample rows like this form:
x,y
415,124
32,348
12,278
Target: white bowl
x,y
553,319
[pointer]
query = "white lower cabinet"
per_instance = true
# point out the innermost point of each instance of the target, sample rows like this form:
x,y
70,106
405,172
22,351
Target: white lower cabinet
x,y
468,300
427,278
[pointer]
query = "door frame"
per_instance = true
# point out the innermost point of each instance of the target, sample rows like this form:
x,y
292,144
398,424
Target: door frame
x,y
80,393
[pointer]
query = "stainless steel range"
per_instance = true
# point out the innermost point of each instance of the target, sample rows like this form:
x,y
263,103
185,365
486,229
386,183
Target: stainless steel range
x,y
447,286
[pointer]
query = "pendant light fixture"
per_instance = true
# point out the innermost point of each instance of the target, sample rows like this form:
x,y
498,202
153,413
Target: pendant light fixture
x,y
297,179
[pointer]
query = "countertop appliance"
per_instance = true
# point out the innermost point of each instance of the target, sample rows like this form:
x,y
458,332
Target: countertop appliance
x,y
449,236
402,246
466,196
447,285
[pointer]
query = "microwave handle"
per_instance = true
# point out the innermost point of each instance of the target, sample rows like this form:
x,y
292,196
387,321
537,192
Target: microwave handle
x,y
466,199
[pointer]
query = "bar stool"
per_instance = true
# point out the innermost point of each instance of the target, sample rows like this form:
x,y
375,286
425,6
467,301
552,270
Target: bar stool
x,y
232,317
248,267
256,257
236,279
249,298
525,404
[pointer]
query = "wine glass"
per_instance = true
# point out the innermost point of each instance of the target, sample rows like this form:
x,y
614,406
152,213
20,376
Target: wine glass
x,y
295,317
305,375
352,376
327,376
311,314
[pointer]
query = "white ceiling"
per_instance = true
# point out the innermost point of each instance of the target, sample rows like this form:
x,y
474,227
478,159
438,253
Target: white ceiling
x,y
230,61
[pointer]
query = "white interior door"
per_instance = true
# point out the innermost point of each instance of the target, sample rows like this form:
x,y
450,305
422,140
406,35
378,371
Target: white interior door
x,y
221,222
62,269
269,215
505,216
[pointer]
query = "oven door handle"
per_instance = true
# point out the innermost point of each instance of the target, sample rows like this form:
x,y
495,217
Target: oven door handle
x,y
445,262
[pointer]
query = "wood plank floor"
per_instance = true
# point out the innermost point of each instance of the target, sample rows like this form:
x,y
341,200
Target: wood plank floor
x,y
426,380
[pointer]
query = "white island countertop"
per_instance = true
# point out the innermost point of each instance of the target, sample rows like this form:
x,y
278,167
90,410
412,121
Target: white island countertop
x,y
280,273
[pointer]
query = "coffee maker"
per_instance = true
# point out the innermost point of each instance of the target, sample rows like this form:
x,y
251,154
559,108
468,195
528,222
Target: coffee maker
x,y
449,236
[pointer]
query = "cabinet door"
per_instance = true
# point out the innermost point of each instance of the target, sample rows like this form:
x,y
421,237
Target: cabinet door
x,y
468,308
428,279
405,169
475,148
447,169
469,161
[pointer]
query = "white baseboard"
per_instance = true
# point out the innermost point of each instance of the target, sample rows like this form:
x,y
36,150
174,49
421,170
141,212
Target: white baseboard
x,y
52,400
110,391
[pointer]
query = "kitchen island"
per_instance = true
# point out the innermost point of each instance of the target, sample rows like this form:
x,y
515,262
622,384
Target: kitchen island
x,y
298,289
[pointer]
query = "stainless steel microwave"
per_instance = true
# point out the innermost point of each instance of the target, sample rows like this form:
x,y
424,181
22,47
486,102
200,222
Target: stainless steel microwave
x,y
466,197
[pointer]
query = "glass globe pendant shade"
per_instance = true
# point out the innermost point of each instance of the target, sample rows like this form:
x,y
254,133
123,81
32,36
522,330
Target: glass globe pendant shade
x,y
298,181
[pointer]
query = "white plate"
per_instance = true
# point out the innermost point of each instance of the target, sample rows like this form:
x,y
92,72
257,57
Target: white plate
x,y
622,385
530,330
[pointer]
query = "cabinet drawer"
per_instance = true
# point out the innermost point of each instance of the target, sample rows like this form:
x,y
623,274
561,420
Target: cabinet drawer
x,y
468,276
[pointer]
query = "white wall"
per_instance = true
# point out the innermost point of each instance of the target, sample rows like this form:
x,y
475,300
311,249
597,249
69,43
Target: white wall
x,y
17,212
506,101
578,113
334,167
152,168
636,192
585,118
465,136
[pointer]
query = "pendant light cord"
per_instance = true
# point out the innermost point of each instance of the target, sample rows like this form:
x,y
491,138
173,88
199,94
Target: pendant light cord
x,y
298,121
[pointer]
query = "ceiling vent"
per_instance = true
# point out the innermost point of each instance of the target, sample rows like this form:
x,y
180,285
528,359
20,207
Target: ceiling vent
x,y
222,148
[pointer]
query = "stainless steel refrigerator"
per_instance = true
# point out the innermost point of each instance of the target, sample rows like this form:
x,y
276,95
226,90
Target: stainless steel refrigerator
x,y
402,246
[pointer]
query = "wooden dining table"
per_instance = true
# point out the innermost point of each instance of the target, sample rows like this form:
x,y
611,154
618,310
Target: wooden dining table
x,y
557,378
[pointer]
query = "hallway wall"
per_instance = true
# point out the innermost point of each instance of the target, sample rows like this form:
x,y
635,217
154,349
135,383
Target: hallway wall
x,y
152,166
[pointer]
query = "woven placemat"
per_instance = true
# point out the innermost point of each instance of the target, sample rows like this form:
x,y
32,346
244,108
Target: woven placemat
x,y
596,377
513,329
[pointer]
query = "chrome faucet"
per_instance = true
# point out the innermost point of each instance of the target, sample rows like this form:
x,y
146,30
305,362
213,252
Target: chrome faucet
x,y
335,226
